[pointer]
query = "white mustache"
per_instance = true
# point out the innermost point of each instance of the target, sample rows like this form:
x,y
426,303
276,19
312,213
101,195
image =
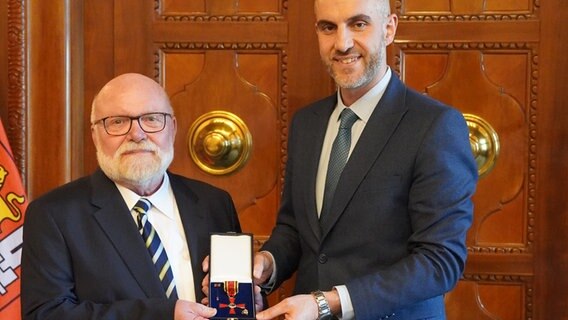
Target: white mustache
x,y
138,146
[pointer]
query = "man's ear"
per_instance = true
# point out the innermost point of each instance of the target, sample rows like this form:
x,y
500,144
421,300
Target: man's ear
x,y
174,122
391,25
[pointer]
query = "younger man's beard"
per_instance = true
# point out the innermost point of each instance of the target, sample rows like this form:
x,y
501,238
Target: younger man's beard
x,y
136,170
355,81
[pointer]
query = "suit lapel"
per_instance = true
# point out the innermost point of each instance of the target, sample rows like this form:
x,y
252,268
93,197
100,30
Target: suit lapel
x,y
382,124
116,222
318,120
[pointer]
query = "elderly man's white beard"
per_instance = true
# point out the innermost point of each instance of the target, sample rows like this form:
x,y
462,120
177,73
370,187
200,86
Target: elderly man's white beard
x,y
136,170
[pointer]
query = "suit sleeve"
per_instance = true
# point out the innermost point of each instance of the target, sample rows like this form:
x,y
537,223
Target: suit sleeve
x,y
284,241
440,211
48,284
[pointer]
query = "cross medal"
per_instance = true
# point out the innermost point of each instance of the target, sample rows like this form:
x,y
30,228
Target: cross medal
x,y
232,289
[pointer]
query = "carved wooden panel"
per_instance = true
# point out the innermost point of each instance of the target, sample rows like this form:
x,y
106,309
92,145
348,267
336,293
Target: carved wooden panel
x,y
467,7
198,7
497,203
246,84
475,300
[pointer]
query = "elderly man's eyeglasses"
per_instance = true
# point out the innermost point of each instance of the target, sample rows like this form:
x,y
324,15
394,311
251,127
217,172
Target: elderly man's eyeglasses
x,y
121,125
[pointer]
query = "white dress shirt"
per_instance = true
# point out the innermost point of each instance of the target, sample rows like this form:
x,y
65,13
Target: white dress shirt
x,y
165,218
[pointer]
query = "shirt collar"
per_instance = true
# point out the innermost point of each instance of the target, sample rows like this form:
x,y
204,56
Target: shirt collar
x,y
162,199
365,105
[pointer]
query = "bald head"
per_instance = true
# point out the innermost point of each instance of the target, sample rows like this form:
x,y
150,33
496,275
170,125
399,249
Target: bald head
x,y
381,7
128,93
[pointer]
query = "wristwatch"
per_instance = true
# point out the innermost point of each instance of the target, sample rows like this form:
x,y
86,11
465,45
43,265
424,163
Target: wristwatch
x,y
324,312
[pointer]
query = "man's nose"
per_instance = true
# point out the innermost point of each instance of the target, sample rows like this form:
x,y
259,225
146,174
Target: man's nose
x,y
136,133
344,39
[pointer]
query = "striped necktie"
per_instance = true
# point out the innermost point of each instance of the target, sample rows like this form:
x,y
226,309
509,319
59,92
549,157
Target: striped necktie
x,y
155,247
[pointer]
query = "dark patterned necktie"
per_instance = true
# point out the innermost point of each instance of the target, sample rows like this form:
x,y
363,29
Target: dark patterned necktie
x,y
338,157
155,247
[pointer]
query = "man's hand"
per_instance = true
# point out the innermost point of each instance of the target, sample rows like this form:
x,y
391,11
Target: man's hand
x,y
186,310
205,282
258,299
300,307
263,267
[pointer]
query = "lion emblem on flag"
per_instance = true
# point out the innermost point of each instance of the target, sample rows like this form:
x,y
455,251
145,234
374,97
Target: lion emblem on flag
x,y
8,207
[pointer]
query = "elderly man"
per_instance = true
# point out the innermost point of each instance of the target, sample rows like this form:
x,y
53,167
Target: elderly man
x,y
126,242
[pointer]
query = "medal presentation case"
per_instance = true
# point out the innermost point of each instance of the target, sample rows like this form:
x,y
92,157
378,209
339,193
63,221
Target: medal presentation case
x,y
231,289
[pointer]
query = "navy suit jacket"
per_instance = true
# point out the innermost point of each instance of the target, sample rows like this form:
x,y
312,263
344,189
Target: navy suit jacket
x,y
395,234
83,257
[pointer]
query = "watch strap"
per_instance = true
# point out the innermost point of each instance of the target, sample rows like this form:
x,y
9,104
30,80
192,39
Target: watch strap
x,y
324,311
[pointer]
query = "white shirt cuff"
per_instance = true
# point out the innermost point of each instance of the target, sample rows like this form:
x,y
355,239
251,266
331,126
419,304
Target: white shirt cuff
x,y
347,312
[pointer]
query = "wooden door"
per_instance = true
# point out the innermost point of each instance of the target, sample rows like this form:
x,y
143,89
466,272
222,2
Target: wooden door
x,y
500,60
485,58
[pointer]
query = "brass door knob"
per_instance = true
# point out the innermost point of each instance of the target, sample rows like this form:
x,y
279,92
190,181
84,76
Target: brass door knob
x,y
484,143
219,142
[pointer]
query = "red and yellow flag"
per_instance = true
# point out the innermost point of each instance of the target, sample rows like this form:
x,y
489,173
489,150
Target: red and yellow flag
x,y
13,203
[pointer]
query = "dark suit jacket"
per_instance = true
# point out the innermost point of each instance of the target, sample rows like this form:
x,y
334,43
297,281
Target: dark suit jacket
x,y
395,235
83,257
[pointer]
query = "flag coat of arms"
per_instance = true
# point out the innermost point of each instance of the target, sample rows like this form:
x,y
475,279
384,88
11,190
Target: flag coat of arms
x,y
13,203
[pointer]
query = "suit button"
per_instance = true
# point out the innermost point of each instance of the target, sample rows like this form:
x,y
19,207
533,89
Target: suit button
x,y
322,258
